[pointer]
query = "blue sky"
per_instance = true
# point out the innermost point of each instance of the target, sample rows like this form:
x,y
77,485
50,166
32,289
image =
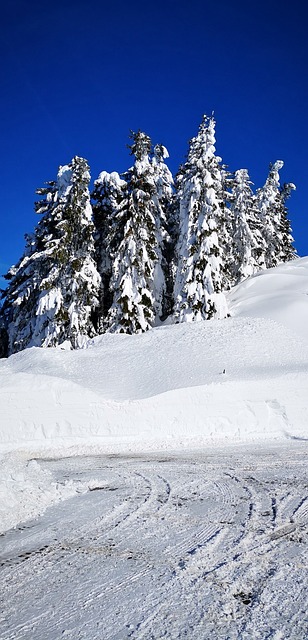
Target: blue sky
x,y
77,76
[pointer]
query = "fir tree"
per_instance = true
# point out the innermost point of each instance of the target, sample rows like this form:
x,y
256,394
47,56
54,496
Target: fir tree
x,y
268,201
203,238
109,220
163,199
286,249
171,247
137,282
53,288
162,177
247,240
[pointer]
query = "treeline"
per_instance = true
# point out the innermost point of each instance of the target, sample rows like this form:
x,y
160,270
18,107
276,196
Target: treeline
x,y
142,247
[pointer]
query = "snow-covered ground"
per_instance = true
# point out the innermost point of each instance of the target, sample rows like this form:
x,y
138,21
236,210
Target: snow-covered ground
x,y
209,545
212,530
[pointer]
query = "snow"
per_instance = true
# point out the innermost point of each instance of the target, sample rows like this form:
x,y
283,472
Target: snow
x,y
114,391
64,180
280,293
192,497
26,489
201,545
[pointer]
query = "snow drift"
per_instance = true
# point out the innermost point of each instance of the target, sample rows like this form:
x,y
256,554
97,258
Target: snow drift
x,y
239,379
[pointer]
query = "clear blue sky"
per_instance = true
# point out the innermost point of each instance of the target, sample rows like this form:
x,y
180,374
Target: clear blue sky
x,y
76,76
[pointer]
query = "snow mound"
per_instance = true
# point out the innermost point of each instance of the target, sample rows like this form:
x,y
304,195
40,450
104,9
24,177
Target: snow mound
x,y
26,490
280,294
124,368
233,380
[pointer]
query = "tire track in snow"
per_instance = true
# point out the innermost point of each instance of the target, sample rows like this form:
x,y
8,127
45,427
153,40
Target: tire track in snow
x,y
192,573
120,565
301,511
251,598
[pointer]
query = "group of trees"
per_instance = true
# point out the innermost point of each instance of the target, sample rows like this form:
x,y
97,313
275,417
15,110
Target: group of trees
x,y
143,248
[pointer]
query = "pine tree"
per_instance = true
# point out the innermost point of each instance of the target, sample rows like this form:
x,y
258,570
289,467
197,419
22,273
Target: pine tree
x,y
109,220
247,240
137,281
53,288
203,238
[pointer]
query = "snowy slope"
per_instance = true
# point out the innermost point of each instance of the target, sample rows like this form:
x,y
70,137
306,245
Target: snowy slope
x,y
241,378
280,294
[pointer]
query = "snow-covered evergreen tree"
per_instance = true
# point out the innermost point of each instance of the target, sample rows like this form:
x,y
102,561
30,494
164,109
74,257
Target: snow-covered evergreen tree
x,y
137,282
203,240
286,250
53,288
173,243
163,199
162,177
248,244
156,252
109,197
269,202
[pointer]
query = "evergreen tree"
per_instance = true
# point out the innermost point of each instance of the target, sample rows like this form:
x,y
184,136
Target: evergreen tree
x,y
286,250
53,288
162,177
109,219
247,240
3,341
163,200
268,200
203,238
173,226
137,282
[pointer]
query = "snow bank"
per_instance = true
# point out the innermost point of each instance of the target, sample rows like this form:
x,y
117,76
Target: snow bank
x,y
280,294
26,490
60,414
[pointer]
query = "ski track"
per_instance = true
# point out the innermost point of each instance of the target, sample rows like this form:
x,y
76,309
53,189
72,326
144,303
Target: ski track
x,y
193,546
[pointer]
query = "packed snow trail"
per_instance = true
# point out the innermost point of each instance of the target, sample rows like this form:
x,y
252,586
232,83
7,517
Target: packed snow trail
x,y
201,545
